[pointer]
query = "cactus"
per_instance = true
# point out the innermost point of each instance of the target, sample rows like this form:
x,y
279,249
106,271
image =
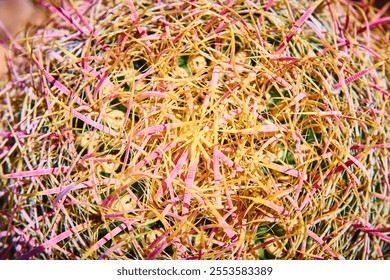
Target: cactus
x,y
197,130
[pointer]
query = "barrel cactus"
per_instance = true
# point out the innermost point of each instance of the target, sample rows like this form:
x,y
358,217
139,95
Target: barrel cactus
x,y
197,130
